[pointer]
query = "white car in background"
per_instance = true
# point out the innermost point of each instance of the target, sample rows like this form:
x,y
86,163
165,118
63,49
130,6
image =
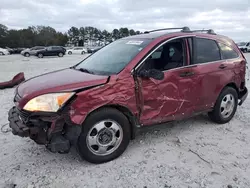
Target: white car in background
x,y
4,51
77,50
244,46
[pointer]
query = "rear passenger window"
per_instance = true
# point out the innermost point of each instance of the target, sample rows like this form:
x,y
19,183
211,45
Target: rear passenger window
x,y
227,52
207,51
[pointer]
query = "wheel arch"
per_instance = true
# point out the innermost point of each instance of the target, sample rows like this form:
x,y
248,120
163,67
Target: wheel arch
x,y
133,121
233,85
230,84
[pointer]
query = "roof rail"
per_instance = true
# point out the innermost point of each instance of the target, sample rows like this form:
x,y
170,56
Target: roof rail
x,y
183,29
209,31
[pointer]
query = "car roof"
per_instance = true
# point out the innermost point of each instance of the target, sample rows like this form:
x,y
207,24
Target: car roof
x,y
210,34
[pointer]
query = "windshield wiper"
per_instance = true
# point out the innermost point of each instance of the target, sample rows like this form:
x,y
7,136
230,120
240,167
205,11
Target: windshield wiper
x,y
83,70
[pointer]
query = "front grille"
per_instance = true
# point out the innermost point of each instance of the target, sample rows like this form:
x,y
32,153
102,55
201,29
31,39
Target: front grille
x,y
24,115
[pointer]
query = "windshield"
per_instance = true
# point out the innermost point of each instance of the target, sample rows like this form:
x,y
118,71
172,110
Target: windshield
x,y
112,58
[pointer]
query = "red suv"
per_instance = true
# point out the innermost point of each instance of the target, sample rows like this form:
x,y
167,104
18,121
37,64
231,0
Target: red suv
x,y
138,81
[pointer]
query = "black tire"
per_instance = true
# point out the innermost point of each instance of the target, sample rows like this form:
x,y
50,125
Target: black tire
x,y
245,50
70,53
40,55
26,54
216,115
83,52
1,53
95,117
60,54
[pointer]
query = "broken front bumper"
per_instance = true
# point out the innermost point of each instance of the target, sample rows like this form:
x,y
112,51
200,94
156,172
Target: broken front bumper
x,y
243,95
16,124
42,132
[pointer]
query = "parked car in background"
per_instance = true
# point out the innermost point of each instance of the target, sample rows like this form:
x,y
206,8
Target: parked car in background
x,y
31,51
77,50
4,51
15,50
100,103
244,46
11,51
64,48
51,51
94,49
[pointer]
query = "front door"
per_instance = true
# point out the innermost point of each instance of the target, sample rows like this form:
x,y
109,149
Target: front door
x,y
176,95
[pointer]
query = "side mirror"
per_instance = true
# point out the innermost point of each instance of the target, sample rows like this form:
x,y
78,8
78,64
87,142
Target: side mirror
x,y
152,73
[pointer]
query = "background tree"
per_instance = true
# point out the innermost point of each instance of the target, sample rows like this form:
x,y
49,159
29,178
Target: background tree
x,y
46,35
115,34
74,34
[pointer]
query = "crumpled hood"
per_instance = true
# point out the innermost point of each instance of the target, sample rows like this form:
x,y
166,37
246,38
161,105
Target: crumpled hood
x,y
58,81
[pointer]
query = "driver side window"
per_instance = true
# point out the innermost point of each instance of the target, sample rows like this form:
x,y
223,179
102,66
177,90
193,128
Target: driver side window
x,y
168,56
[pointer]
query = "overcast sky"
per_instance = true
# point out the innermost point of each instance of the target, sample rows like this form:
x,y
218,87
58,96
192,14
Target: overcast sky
x,y
228,17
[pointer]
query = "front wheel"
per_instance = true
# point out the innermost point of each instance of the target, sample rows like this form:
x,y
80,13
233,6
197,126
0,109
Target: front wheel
x,y
83,52
105,136
225,106
1,53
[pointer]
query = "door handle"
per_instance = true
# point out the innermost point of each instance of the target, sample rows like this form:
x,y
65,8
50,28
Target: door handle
x,y
222,66
186,74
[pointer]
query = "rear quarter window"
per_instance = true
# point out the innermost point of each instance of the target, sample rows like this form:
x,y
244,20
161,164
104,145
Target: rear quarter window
x,y
227,52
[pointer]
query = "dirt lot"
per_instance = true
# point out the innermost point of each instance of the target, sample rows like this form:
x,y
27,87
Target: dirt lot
x,y
191,153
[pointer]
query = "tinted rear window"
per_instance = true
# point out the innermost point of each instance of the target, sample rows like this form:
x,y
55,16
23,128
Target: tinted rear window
x,y
207,51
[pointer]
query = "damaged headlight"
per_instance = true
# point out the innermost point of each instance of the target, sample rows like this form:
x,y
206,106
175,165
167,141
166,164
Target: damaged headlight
x,y
48,102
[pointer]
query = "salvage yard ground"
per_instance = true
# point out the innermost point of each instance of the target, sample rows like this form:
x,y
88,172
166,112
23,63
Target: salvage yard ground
x,y
191,153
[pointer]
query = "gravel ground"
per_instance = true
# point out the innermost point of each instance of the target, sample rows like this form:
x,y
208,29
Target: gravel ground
x,y
191,153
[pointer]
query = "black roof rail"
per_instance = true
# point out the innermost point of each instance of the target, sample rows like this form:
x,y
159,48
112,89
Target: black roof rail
x,y
209,31
183,29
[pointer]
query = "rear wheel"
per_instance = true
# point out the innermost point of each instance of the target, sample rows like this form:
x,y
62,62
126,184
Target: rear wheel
x,y
225,106
70,53
60,54
1,53
40,55
105,136
83,52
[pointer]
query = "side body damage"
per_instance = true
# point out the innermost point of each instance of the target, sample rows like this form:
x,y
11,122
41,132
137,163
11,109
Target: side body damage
x,y
183,91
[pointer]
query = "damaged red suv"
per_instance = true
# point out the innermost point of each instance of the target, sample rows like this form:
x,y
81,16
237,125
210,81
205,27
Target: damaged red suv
x,y
156,77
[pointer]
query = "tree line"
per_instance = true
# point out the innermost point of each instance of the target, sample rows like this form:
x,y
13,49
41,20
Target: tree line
x,y
46,35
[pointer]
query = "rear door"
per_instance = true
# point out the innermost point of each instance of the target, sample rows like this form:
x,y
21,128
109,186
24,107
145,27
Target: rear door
x,y
213,71
55,50
48,51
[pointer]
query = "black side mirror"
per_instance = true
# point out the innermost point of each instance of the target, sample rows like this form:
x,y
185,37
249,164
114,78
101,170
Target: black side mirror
x,y
152,73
